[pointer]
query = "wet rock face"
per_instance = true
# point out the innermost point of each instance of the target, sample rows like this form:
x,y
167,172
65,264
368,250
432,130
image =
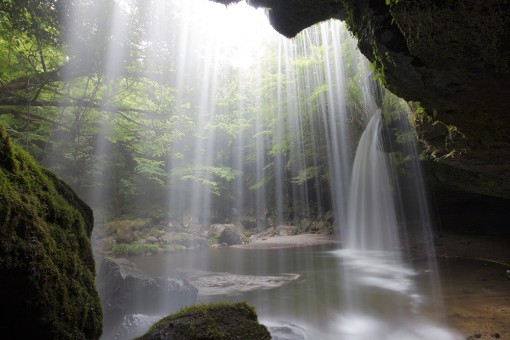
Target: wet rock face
x,y
452,56
292,16
457,63
125,291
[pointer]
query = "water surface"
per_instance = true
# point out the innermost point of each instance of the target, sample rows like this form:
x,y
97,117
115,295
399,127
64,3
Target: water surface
x,y
305,293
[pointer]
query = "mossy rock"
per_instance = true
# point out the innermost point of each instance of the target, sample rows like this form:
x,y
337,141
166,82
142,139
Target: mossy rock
x,y
214,322
125,231
230,235
47,286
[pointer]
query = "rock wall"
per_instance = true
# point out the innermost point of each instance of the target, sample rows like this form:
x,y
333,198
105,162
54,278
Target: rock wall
x,y
47,286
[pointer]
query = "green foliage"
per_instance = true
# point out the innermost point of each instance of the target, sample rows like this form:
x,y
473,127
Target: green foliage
x,y
173,247
134,249
42,19
128,188
265,179
210,176
393,107
426,121
307,174
153,170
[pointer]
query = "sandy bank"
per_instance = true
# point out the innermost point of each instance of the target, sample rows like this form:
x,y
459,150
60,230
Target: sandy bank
x,y
488,248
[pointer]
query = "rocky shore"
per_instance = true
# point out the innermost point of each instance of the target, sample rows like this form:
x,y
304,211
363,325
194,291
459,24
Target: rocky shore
x,y
149,236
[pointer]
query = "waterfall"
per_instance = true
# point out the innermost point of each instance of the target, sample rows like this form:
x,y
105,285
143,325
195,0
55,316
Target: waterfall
x,y
372,217
374,267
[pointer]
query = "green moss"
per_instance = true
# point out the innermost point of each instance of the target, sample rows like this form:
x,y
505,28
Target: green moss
x,y
438,137
130,249
125,230
368,21
213,321
46,259
173,247
188,240
212,240
6,155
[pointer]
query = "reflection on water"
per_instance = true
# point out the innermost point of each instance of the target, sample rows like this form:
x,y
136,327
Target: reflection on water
x,y
363,327
387,299
307,302
378,269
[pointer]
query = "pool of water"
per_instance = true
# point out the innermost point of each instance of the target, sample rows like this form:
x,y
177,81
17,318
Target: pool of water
x,y
324,293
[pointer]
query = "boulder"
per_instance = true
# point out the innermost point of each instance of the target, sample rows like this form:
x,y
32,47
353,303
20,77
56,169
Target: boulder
x,y
125,231
316,226
259,236
47,288
230,235
125,290
329,216
152,239
215,230
304,225
215,322
271,231
286,230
